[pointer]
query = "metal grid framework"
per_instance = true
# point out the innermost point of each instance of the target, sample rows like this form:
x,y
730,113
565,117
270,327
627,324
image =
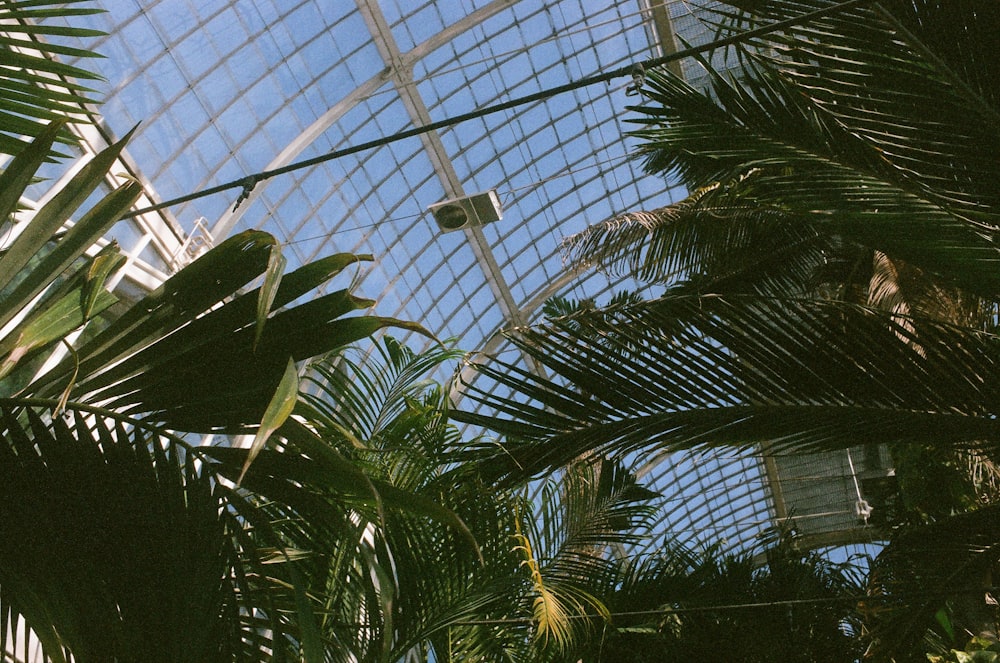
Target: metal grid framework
x,y
222,89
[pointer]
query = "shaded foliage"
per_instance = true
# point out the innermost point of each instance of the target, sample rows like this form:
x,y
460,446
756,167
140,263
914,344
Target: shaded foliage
x,y
838,255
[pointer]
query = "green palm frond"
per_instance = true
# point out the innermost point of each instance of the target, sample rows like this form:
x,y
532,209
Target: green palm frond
x,y
393,575
145,361
915,81
736,246
371,402
948,566
42,281
903,90
598,503
444,587
567,543
200,327
708,371
205,326
436,594
830,156
434,591
759,120
35,87
862,144
682,604
117,543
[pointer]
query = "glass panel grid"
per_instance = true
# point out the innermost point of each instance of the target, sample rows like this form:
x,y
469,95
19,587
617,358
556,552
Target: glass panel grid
x,y
222,87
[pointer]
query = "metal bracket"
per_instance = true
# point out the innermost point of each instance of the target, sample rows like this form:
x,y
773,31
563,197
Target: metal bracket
x,y
638,79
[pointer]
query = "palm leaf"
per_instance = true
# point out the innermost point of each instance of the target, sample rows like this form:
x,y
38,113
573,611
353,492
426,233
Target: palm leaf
x,y
692,372
926,569
814,162
52,217
597,504
551,578
389,548
116,545
435,592
727,245
360,398
35,87
146,360
916,81
49,287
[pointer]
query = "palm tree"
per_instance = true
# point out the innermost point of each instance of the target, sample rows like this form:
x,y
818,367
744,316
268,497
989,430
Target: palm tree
x,y
125,390
794,171
122,540
529,583
683,605
868,134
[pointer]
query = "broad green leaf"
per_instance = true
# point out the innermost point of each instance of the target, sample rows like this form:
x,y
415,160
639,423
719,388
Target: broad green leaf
x,y
51,324
222,336
19,172
88,280
277,412
941,616
54,214
235,382
26,62
181,299
64,398
80,237
311,638
104,264
268,291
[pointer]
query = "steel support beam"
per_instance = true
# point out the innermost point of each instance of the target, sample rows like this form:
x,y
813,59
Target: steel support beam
x,y
405,61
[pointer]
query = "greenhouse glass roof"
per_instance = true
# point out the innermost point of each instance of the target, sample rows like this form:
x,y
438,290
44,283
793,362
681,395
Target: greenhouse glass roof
x,y
222,90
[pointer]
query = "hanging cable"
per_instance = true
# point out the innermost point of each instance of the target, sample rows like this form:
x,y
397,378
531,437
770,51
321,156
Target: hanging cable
x,y
626,71
862,508
867,599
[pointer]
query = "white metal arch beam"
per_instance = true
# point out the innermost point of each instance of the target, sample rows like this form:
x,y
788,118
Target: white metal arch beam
x,y
225,224
492,344
402,69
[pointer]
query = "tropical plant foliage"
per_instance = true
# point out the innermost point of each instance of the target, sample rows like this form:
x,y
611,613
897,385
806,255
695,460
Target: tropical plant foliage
x,y
36,89
139,370
543,570
121,541
518,589
682,605
839,264
841,271
687,372
116,544
339,538
873,126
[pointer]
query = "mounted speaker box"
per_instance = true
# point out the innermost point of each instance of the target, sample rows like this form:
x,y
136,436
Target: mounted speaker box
x,y
477,209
